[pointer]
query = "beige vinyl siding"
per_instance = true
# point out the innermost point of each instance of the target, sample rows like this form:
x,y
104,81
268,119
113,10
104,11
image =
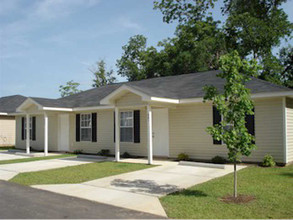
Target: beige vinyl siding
x,y
129,99
7,131
188,131
289,117
38,144
105,135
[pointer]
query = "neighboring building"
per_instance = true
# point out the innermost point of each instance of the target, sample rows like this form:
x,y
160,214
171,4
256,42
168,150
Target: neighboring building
x,y
161,116
8,106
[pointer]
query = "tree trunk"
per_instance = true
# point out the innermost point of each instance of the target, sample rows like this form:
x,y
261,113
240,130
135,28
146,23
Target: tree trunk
x,y
235,180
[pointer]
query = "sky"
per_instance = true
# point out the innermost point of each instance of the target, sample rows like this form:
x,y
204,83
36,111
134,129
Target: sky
x,y
45,43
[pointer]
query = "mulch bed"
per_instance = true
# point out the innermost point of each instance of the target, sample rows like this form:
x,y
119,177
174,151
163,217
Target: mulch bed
x,y
240,199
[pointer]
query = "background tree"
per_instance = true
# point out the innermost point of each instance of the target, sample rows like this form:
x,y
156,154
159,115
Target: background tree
x,y
234,103
70,88
132,63
101,75
252,27
286,60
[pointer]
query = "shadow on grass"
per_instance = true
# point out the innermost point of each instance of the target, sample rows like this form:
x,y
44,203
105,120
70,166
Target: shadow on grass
x,y
287,174
189,192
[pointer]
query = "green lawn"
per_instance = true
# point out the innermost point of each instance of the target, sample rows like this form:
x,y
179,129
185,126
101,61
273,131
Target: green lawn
x,y
272,187
30,159
77,174
6,148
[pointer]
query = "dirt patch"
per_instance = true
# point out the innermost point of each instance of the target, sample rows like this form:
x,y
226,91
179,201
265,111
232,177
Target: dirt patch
x,y
240,199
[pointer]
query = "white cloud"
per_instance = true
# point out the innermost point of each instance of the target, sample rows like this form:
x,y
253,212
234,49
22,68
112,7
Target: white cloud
x,y
50,9
127,23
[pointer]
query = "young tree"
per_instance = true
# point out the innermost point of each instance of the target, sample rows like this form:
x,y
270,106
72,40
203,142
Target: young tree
x,y
101,76
70,88
234,103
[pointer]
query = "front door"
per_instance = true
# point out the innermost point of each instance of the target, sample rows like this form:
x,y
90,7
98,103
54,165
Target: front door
x,y
63,134
161,132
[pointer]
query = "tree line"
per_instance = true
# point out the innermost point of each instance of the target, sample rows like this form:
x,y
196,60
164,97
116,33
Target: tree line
x,y
254,28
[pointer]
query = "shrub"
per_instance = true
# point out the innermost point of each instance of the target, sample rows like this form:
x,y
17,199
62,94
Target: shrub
x,y
125,155
268,161
104,152
219,160
77,151
182,156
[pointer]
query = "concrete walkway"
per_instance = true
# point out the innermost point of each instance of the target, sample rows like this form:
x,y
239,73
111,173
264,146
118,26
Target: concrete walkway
x,y
5,155
8,171
140,190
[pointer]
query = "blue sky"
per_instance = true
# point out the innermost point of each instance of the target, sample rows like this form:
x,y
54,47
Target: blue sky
x,y
45,43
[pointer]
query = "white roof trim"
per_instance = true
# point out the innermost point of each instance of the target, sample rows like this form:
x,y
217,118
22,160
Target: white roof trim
x,y
158,99
93,108
57,109
272,94
26,102
107,100
3,113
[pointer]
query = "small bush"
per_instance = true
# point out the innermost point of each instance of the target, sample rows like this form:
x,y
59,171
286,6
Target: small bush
x,y
219,160
78,151
182,156
268,161
104,152
125,155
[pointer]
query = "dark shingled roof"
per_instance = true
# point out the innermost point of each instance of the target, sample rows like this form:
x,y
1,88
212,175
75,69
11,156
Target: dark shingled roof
x,y
175,87
8,104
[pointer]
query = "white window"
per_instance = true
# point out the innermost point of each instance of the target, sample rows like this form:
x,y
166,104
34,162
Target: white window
x,y
86,127
126,126
30,127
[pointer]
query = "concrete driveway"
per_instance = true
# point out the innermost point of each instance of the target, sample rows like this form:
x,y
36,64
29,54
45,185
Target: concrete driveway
x,y
140,190
22,202
8,171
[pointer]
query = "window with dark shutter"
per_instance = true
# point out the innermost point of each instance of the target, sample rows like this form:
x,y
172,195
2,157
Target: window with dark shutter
x,y
250,124
33,128
114,127
77,127
94,127
22,129
136,131
216,120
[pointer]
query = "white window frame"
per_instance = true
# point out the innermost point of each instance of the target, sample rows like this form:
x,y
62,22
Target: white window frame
x,y
85,127
130,126
30,127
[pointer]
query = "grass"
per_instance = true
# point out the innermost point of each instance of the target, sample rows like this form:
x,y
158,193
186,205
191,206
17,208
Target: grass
x,y
30,159
77,174
272,188
4,148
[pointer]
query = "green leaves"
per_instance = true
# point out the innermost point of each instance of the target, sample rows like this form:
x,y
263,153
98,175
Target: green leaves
x,y
234,103
101,76
70,88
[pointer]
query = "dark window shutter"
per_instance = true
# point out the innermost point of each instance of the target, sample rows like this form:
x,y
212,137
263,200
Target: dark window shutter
x,y
136,128
216,120
94,127
22,128
34,128
77,127
114,127
250,124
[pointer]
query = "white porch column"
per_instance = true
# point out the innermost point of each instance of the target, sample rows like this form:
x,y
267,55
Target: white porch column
x,y
27,133
150,134
117,135
45,134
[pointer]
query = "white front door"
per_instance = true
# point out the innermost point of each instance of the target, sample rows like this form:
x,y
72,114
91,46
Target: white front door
x,y
63,134
161,132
